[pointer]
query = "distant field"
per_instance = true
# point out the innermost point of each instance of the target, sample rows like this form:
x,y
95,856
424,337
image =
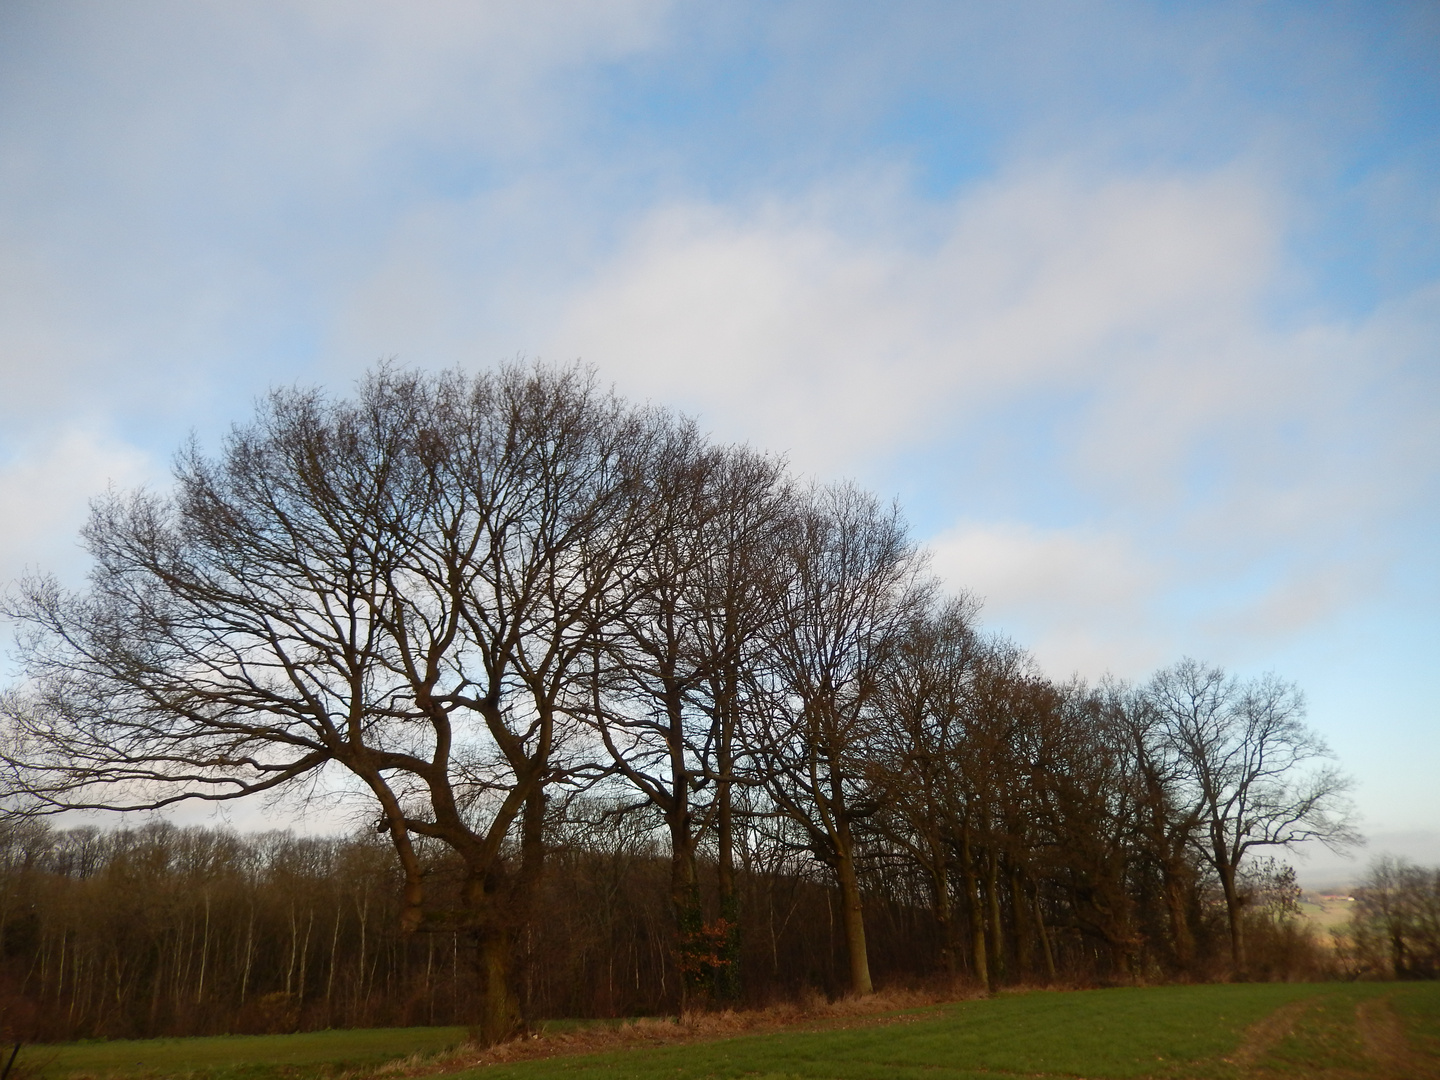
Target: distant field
x,y
1373,1031
1326,913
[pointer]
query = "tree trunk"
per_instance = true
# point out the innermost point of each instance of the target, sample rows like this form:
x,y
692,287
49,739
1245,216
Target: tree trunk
x,y
1237,927
852,917
1182,939
330,981
1044,939
944,911
497,1014
997,930
525,892
249,954
204,953
692,951
727,976
1018,921
974,910
304,958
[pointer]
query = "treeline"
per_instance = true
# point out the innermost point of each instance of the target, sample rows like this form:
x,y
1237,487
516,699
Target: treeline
x,y
520,617
1394,928
163,930
166,930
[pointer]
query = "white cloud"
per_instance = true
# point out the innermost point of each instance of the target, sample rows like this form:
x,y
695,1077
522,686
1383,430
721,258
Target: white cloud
x,y
44,491
184,189
1243,476
788,329
1081,600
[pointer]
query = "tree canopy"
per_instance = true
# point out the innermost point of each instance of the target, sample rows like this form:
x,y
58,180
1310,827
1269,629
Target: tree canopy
x,y
459,603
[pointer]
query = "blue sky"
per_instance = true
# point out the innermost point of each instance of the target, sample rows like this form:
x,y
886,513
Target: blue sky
x,y
1136,307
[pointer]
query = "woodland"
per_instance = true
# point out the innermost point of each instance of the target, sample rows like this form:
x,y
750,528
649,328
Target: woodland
x,y
623,721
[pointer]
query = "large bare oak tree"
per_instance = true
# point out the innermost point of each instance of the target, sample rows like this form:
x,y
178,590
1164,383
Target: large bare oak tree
x,y
394,595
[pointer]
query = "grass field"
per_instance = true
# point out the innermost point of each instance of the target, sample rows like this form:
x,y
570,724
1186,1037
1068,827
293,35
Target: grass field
x,y
1326,913
1334,1031
237,1057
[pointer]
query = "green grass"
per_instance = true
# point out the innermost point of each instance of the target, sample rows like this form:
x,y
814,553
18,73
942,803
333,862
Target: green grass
x,y
1419,1008
237,1057
1173,1033
1169,1032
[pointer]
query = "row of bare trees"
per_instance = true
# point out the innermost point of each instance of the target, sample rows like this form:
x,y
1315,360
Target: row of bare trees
x,y
455,604
169,931
1394,927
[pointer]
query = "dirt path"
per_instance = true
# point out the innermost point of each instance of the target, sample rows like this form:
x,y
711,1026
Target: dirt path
x,y
1265,1034
1386,1045
1381,1033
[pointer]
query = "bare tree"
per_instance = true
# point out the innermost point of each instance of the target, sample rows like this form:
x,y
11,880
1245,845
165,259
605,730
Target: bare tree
x,y
852,589
741,596
1257,774
1169,811
918,758
1394,928
1083,800
397,589
669,687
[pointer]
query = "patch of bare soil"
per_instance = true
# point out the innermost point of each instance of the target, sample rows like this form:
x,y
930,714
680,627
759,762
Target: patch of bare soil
x,y
1386,1045
693,1027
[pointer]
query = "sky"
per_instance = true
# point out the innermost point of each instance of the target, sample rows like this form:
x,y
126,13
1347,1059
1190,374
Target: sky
x,y
1135,307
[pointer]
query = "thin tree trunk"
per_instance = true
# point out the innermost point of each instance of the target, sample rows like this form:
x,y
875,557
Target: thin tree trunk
x,y
304,957
944,910
1044,939
181,969
334,949
249,953
204,952
974,910
429,985
294,949
997,931
1019,921
774,939
727,977
361,994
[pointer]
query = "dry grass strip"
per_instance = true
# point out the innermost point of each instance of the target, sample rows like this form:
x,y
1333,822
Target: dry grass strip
x,y
816,1013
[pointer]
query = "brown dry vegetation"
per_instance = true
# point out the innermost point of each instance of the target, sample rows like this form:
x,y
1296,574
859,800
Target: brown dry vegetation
x,y
811,1012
